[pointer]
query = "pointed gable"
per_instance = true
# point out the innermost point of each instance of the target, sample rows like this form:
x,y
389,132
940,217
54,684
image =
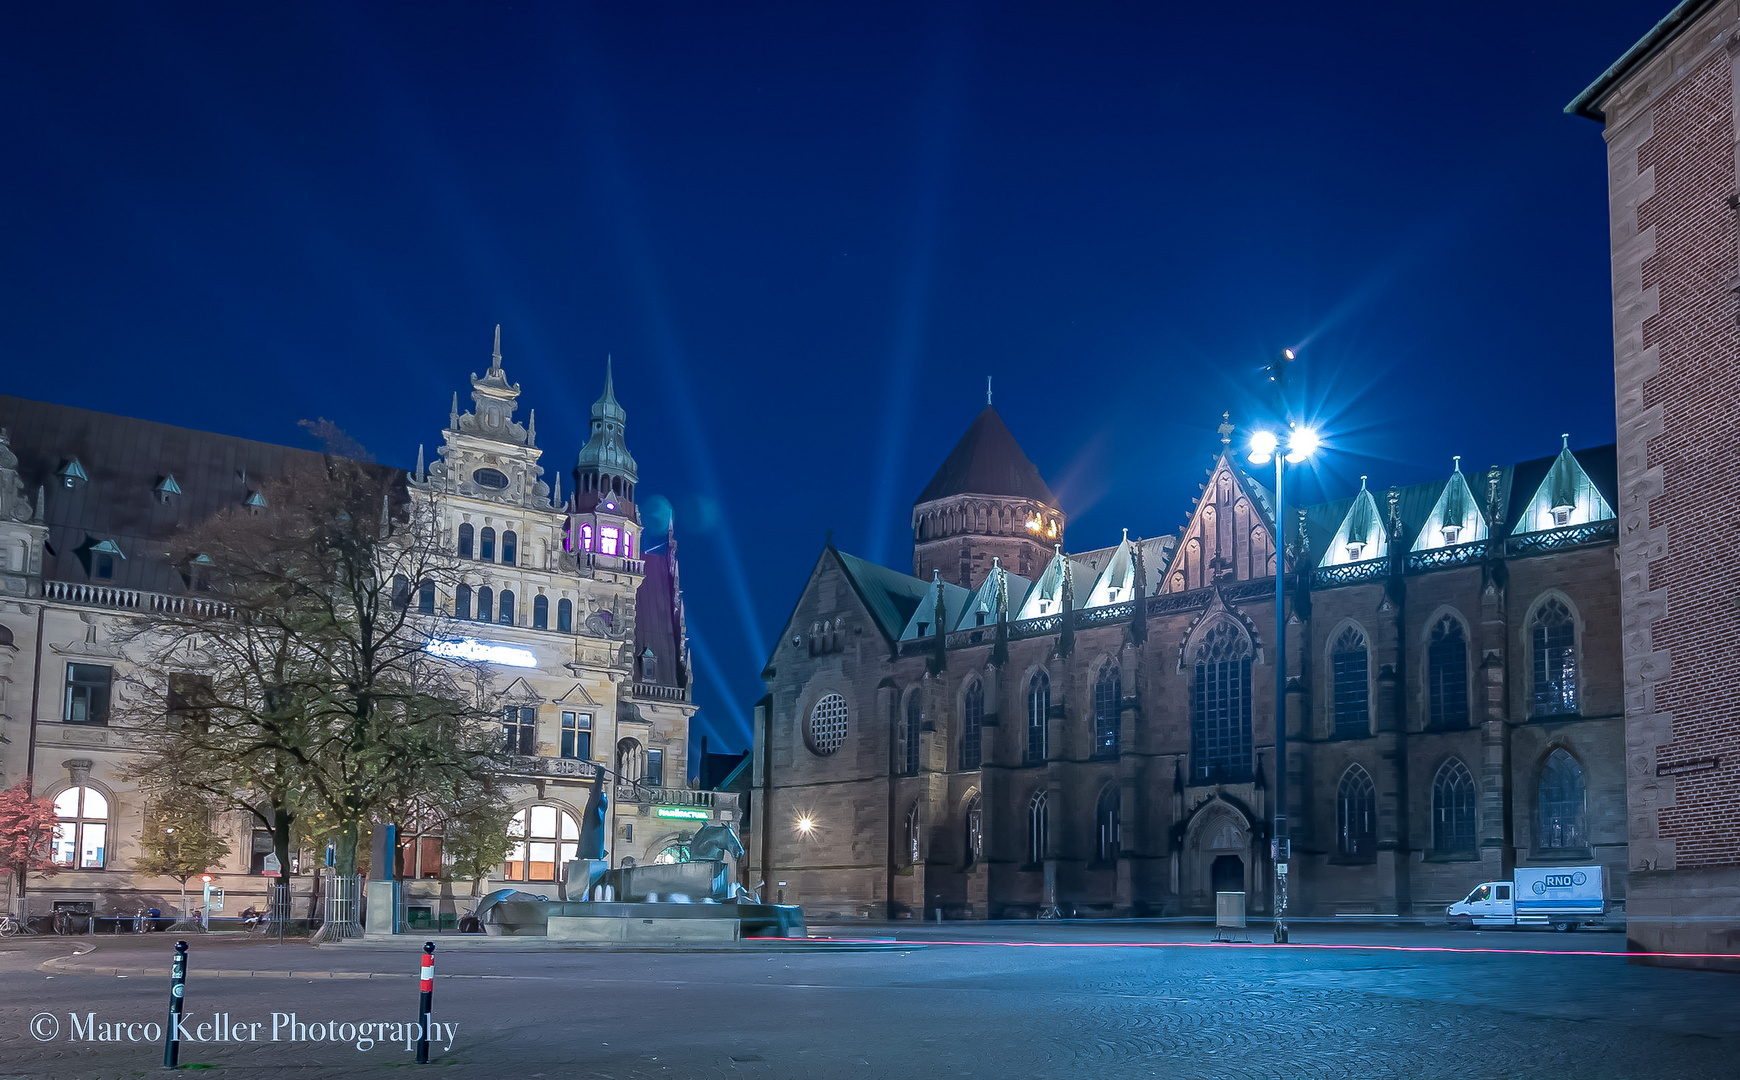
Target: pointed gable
x,y
922,623
1230,535
988,461
1362,536
1001,591
1045,597
1456,517
1566,496
1117,582
890,596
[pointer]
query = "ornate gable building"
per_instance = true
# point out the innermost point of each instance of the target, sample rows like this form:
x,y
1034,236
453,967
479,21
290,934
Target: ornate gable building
x,y
1018,729
577,614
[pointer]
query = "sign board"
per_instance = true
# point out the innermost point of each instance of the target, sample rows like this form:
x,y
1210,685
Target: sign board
x,y
272,867
215,899
1281,869
691,813
1281,849
486,652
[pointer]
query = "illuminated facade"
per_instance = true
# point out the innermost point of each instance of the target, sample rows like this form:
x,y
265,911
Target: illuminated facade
x,y
1092,731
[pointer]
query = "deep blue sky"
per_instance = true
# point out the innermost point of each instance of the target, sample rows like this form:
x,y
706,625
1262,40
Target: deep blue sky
x,y
808,232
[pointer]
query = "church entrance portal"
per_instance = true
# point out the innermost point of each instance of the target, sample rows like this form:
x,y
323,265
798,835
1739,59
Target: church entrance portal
x,y
1228,874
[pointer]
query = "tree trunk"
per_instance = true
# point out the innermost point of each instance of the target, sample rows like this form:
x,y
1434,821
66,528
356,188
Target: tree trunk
x,y
281,822
347,840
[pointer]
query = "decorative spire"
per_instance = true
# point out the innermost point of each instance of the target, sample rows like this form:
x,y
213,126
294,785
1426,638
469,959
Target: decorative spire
x,y
532,428
421,473
453,413
940,660
495,353
556,497
1139,599
41,504
1362,483
987,391
1456,463
1225,429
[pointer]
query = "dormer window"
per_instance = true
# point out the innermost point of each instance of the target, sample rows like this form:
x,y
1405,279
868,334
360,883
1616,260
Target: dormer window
x,y
980,617
103,556
73,473
167,488
923,629
1451,533
1045,607
1354,551
1561,516
255,502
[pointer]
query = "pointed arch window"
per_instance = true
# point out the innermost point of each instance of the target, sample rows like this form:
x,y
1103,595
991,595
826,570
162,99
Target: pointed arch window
x,y
1453,810
565,615
972,725
1356,815
1562,805
1106,825
1108,693
914,725
540,612
1220,707
974,841
465,538
1554,637
462,602
510,547
486,544
912,840
1038,829
1038,708
1350,666
485,604
1447,675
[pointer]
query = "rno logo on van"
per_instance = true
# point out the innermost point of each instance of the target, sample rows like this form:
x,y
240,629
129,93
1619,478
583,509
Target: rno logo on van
x,y
1559,881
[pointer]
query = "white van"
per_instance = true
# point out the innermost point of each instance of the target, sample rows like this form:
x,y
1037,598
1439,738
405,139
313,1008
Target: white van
x,y
1562,897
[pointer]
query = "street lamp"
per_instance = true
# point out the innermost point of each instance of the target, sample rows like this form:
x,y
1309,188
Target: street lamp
x,y
1302,442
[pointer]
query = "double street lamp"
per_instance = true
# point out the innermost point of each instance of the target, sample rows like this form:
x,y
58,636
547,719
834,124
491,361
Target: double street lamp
x,y
1301,443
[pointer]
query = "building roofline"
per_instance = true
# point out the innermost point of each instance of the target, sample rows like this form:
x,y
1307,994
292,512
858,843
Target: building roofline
x,y
1588,103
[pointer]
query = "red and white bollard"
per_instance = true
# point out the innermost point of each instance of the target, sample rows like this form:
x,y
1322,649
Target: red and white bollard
x,y
426,988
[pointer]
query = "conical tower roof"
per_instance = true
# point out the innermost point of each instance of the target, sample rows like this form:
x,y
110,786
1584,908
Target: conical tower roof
x,y
988,461
606,451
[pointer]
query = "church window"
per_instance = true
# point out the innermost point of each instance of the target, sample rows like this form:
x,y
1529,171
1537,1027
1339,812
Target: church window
x,y
426,598
972,725
1453,810
540,612
565,615
914,726
486,544
1562,805
87,693
520,726
82,828
607,535
913,841
1220,707
1350,666
507,607
485,604
1108,694
1106,825
1038,829
826,728
1038,708
1447,675
462,602
975,828
401,592
510,547
465,535
544,838
1554,637
1356,815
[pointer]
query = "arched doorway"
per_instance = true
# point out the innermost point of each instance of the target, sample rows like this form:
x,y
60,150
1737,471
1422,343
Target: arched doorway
x,y
1227,874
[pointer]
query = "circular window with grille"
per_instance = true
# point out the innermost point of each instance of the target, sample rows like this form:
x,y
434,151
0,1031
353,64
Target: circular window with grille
x,y
827,727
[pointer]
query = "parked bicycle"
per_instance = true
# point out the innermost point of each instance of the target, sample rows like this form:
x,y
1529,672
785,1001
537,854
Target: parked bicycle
x,y
10,927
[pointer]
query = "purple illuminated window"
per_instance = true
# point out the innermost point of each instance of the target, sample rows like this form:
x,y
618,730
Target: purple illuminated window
x,y
607,540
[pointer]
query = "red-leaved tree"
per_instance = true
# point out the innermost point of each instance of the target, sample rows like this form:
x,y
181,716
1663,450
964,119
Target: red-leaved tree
x,y
26,834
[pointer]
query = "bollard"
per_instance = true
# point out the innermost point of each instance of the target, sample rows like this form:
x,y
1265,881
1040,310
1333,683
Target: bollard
x,y
427,988
177,987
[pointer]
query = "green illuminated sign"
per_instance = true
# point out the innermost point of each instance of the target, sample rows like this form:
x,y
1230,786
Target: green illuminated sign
x,y
683,812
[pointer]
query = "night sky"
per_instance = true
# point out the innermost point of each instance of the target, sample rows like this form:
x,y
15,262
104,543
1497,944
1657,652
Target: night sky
x,y
808,233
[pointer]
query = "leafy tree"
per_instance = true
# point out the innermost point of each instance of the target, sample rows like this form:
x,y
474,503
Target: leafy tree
x,y
179,841
27,826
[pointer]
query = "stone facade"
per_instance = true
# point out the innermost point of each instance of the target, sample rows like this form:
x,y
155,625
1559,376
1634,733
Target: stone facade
x,y
1670,116
595,667
1100,739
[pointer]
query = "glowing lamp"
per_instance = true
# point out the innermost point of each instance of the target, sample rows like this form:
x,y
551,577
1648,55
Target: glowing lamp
x,y
1303,444
806,824
1263,444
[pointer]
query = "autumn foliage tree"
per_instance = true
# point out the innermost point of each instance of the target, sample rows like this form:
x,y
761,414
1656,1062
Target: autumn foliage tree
x,y
179,841
27,826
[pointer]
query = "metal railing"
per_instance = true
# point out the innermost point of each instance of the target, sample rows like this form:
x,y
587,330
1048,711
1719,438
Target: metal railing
x,y
342,907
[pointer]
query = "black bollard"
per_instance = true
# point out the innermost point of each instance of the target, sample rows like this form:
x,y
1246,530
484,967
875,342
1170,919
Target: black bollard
x,y
424,999
177,987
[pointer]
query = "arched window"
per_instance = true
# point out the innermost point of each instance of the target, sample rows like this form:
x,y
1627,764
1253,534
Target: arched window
x,y
485,604
426,598
462,602
1106,825
510,548
1350,667
911,837
420,834
1037,829
1108,692
1220,706
972,719
81,830
565,615
974,845
1562,808
1356,815
649,666
629,760
1453,810
1447,675
1038,708
586,536
540,612
507,607
465,541
914,726
401,592
486,544
1554,636
544,838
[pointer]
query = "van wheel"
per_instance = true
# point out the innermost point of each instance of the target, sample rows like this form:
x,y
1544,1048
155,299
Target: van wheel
x,y
1564,927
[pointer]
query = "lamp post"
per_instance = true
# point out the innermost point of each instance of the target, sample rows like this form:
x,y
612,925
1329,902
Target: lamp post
x,y
1266,445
